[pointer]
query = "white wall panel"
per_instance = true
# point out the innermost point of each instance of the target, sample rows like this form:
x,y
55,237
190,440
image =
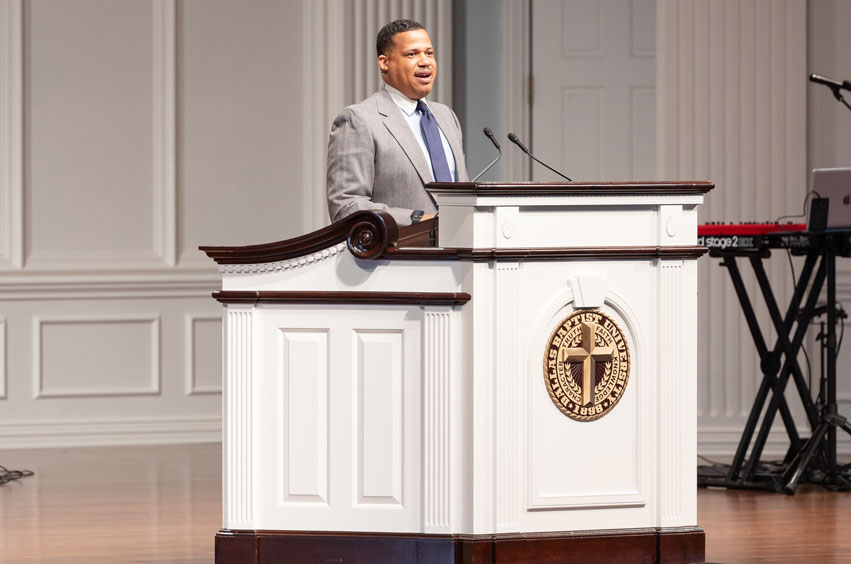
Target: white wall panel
x,y
90,132
78,356
203,342
95,346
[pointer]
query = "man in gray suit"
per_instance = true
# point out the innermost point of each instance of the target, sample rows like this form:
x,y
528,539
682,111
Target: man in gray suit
x,y
384,150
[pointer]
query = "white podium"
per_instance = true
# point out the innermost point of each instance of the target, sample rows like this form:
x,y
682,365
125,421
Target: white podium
x,y
521,391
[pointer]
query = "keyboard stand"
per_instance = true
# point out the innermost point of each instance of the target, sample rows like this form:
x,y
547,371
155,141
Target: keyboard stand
x,y
823,438
777,365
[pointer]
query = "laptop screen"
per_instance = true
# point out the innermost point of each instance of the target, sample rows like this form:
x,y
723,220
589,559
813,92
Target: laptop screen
x,y
835,185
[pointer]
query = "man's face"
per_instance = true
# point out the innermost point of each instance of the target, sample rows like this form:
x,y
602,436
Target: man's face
x,y
410,66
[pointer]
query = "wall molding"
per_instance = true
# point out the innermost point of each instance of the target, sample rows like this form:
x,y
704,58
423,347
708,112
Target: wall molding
x,y
192,389
140,259
323,92
39,322
3,379
165,129
516,73
11,133
110,432
127,284
721,441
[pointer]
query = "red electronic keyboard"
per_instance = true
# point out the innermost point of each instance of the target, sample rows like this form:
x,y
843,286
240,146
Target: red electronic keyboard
x,y
747,236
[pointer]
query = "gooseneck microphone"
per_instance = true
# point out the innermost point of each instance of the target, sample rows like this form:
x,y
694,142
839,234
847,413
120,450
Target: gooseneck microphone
x,y
489,134
513,138
830,83
835,87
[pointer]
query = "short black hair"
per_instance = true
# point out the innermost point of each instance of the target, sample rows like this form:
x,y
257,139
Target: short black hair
x,y
384,41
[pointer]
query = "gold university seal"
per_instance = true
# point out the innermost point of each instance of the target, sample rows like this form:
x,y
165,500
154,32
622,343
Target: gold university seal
x,y
586,365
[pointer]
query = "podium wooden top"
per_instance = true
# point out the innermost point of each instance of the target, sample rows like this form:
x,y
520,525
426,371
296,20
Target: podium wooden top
x,y
375,235
650,188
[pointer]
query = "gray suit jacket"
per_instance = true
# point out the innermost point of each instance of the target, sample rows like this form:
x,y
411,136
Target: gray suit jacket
x,y
376,163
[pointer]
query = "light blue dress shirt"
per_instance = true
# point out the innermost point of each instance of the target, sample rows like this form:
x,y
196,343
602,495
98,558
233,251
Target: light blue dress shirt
x,y
409,112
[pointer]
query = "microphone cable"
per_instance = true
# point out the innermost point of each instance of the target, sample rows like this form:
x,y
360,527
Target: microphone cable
x,y
7,475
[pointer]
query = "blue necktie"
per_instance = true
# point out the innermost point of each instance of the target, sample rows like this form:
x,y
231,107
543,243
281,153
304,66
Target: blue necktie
x,y
431,134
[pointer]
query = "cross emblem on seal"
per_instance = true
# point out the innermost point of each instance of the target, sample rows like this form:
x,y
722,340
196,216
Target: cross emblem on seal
x,y
589,354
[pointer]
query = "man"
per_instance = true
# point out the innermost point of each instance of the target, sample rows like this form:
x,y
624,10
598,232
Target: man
x,y
383,151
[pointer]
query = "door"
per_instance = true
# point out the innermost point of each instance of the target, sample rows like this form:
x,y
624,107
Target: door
x,y
593,89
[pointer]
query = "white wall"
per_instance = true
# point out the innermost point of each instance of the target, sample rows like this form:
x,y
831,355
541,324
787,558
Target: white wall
x,y
132,132
731,84
828,54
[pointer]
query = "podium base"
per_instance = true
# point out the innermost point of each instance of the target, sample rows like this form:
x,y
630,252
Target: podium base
x,y
667,545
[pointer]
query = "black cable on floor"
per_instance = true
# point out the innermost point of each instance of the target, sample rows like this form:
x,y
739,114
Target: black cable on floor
x,y
7,475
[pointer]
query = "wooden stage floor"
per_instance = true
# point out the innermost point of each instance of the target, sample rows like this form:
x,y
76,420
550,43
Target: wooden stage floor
x,y
162,504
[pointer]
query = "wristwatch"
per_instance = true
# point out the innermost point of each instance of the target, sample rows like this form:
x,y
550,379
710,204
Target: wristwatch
x,y
417,215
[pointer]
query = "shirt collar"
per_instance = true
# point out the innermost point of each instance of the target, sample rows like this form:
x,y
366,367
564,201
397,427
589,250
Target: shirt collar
x,y
405,104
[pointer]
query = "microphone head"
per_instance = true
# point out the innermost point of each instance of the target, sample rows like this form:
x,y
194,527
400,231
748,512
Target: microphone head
x,y
489,134
513,138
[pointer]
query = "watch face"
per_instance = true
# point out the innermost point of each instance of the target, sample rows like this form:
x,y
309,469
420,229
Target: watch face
x,y
417,215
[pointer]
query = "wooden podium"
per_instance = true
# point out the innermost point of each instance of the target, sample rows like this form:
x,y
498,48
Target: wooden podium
x,y
391,401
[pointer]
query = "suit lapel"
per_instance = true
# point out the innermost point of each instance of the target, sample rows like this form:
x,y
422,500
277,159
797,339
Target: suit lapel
x,y
399,129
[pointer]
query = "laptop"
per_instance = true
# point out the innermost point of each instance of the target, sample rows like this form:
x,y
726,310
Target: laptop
x,y
834,184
